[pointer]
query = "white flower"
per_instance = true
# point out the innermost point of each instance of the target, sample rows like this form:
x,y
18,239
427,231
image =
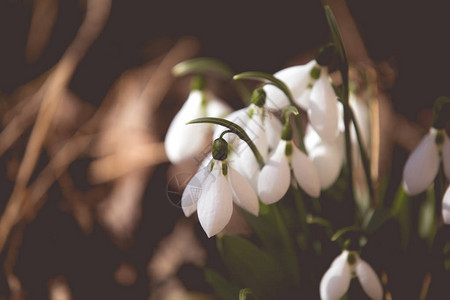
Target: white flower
x,y
185,141
263,129
275,177
315,95
446,206
336,280
330,157
212,191
422,165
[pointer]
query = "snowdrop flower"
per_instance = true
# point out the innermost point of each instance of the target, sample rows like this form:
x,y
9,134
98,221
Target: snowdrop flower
x,y
329,158
312,91
213,190
275,176
336,280
263,128
423,163
185,141
446,206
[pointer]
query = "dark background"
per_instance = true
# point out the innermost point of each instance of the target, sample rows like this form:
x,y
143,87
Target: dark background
x,y
246,35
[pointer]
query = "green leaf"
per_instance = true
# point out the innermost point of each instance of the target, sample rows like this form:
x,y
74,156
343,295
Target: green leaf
x,y
221,286
339,44
236,129
378,217
251,266
269,226
427,218
401,211
244,293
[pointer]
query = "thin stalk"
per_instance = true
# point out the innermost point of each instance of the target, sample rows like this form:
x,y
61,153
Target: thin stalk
x,y
364,156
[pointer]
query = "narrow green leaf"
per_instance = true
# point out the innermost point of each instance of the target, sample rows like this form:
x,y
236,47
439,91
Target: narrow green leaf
x,y
378,217
401,210
236,129
339,44
221,286
269,226
245,293
427,218
251,266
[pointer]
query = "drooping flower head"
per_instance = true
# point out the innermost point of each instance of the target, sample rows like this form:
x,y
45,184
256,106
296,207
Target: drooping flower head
x,y
313,92
213,190
336,280
275,176
423,163
183,141
262,127
329,158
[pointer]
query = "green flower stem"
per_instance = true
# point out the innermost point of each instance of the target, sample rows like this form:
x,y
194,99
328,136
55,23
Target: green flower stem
x,y
364,156
203,64
236,129
301,209
270,79
344,91
348,148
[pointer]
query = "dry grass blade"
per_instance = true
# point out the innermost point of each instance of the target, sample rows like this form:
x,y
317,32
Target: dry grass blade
x,y
96,16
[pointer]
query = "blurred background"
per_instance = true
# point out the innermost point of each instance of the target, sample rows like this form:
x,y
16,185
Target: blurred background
x,y
89,201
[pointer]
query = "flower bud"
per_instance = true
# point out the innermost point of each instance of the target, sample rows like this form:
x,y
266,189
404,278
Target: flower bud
x,y
258,97
220,149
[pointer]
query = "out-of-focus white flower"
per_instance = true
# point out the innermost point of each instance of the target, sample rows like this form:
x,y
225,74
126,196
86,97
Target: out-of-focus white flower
x,y
312,91
275,177
446,206
422,165
263,129
336,280
212,191
185,141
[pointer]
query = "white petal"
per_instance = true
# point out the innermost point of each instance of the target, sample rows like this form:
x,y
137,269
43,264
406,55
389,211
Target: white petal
x,y
296,78
243,193
422,165
369,280
243,159
215,204
273,130
336,280
446,155
323,108
274,179
193,190
446,206
217,108
184,141
240,118
328,159
305,173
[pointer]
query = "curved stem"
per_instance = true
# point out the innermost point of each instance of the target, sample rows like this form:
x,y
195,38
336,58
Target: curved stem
x,y
270,79
236,129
